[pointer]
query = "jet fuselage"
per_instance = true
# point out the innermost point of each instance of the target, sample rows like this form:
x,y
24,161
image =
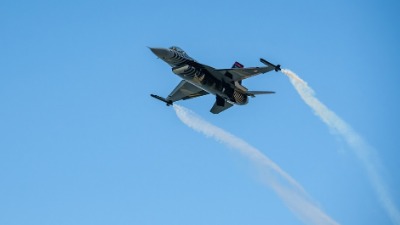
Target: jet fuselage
x,y
188,69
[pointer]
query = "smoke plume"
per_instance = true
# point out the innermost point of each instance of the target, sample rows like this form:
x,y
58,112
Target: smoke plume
x,y
286,187
364,152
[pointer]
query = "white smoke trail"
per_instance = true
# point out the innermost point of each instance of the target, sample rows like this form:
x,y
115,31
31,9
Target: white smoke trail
x,y
287,188
364,152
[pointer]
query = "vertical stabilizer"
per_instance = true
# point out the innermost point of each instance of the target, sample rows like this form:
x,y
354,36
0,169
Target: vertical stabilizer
x,y
237,65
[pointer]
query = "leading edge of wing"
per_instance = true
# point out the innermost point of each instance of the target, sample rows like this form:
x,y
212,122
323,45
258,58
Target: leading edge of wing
x,y
234,74
243,73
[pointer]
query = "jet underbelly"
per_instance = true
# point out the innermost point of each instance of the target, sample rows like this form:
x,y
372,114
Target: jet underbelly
x,y
210,84
201,80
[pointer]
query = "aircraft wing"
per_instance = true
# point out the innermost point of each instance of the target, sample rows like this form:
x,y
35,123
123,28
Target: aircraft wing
x,y
185,90
233,74
237,74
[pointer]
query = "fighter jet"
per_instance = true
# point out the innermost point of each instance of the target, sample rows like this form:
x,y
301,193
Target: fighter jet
x,y
200,79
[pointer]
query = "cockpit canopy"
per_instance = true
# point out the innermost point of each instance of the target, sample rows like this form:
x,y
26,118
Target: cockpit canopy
x,y
176,48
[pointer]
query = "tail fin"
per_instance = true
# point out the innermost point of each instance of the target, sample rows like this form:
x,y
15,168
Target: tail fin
x,y
237,65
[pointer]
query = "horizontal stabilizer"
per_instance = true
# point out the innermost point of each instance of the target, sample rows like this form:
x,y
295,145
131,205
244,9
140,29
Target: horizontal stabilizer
x,y
254,93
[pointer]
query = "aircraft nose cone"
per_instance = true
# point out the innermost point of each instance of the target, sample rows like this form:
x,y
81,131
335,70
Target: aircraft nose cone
x,y
162,52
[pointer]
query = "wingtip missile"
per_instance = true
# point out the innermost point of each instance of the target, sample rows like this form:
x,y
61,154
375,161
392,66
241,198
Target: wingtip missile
x,y
168,102
276,68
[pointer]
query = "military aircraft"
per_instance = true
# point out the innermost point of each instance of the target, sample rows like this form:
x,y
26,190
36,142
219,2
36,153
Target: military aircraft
x,y
200,79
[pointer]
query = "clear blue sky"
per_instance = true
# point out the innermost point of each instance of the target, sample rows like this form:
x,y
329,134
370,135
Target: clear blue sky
x,y
81,141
